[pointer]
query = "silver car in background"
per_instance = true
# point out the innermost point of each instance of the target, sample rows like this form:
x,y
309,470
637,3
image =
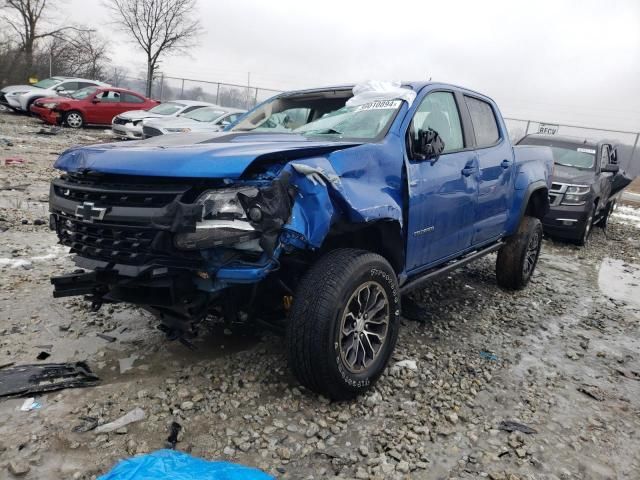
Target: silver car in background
x,y
20,97
129,124
207,119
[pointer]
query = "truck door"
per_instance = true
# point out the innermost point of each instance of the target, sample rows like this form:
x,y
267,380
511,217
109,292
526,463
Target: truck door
x,y
605,178
442,193
106,107
495,164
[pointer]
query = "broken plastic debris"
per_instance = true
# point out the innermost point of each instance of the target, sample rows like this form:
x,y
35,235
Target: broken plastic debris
x,y
43,355
134,415
511,426
488,356
108,338
373,90
410,364
174,431
14,161
30,404
88,424
26,379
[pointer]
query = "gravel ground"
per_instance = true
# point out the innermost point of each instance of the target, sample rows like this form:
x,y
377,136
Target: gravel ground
x,y
561,357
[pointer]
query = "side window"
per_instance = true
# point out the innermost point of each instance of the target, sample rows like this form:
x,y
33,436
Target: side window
x,y
605,156
484,122
232,118
191,109
129,98
439,112
68,86
85,85
289,119
109,96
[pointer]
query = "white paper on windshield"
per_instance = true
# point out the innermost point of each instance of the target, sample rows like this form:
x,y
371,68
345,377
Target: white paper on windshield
x,y
380,105
376,90
587,150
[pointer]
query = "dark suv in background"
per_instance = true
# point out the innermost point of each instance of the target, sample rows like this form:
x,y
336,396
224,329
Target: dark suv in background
x,y
586,184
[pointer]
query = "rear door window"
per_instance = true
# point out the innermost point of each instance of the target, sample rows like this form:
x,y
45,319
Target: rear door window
x,y
68,86
130,98
484,122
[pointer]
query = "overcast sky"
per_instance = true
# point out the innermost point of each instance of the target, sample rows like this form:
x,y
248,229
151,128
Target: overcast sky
x,y
564,61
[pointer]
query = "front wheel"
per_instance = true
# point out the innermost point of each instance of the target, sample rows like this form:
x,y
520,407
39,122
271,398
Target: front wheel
x,y
344,322
74,119
603,223
518,257
586,228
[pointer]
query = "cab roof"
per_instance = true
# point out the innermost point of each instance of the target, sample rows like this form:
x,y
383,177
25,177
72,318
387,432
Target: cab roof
x,y
563,139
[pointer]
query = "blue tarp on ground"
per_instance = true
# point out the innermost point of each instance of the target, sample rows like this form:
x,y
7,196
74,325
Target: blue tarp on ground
x,y
173,465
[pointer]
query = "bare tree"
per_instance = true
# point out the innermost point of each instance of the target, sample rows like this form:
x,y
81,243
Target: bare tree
x,y
159,26
24,17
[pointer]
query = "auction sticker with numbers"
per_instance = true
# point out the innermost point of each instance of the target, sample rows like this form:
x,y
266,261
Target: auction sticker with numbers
x,y
587,150
380,105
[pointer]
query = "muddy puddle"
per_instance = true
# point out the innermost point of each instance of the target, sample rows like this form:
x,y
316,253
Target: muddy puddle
x,y
620,280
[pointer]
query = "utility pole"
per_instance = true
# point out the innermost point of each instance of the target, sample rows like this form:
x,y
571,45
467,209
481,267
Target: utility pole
x,y
248,89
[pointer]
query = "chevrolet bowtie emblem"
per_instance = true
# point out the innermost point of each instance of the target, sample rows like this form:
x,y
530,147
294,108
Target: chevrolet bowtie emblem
x,y
89,212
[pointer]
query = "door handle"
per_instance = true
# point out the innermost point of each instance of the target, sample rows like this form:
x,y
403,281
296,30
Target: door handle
x,y
468,170
505,163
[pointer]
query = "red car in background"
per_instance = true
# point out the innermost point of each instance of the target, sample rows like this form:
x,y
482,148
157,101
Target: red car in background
x,y
90,106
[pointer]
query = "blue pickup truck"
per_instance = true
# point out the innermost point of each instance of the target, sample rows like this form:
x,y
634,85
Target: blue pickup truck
x,y
316,212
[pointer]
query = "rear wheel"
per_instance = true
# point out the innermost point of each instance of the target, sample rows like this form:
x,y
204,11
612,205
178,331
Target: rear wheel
x,y
518,257
73,119
344,322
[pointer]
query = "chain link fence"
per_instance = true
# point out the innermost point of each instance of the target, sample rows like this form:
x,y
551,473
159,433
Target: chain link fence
x,y
166,88
626,142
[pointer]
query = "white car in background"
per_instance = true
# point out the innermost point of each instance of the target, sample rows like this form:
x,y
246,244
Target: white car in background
x,y
20,97
129,124
207,119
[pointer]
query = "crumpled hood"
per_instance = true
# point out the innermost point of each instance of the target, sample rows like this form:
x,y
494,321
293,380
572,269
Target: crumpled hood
x,y
178,122
139,115
562,174
194,155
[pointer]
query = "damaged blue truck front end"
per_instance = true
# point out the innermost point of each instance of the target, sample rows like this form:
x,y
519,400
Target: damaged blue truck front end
x,y
239,223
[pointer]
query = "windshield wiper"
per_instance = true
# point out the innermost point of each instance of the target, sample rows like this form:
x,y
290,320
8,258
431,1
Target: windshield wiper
x,y
324,131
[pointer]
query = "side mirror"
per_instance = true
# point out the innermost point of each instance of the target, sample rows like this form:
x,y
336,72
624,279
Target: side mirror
x,y
429,145
95,100
59,88
611,168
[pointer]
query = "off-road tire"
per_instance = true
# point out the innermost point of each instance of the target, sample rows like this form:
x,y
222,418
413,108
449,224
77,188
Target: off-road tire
x,y
314,329
513,266
69,122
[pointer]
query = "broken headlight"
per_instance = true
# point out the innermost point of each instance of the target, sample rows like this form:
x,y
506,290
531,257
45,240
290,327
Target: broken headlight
x,y
224,221
576,195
